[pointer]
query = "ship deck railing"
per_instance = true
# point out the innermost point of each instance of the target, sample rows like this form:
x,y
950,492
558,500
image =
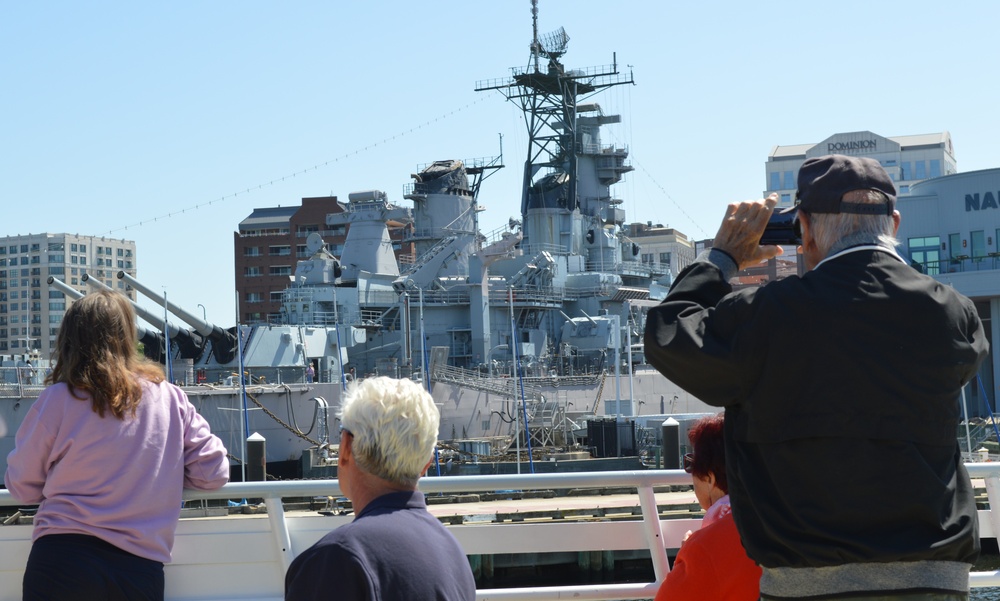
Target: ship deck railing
x,y
246,556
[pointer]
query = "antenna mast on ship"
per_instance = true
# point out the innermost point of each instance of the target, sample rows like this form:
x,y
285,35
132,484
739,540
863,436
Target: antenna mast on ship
x,y
550,100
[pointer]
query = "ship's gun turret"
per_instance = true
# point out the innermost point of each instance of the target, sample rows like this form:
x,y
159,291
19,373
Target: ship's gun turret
x,y
152,340
190,344
223,342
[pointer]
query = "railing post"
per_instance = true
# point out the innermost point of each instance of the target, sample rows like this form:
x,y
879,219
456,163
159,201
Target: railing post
x,y
279,531
993,494
654,532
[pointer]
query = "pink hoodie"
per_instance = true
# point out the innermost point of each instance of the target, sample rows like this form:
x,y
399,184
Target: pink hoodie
x,y
118,480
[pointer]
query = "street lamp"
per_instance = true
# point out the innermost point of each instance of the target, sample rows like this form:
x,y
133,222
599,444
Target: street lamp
x,y
488,361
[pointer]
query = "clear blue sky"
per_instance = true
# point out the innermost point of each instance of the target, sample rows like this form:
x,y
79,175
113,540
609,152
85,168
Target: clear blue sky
x,y
168,123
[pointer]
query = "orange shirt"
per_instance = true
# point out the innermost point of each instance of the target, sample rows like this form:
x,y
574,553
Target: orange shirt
x,y
712,566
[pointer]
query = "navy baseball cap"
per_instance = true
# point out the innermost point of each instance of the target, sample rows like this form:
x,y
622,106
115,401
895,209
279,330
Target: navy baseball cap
x,y
823,181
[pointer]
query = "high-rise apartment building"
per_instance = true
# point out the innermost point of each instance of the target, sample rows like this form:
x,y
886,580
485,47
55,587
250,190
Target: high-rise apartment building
x,y
31,311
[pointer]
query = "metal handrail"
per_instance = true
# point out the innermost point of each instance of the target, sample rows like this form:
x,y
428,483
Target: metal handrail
x,y
642,481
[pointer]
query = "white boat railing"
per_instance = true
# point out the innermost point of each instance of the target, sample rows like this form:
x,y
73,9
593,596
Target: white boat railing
x,y
245,557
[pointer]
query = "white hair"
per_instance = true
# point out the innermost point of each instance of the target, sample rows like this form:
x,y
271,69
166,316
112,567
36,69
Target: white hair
x,y
836,231
394,424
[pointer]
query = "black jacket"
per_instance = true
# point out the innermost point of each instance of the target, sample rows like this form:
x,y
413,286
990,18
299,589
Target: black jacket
x,y
841,390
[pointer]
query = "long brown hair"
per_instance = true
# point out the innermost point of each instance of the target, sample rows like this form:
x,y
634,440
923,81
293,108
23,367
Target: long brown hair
x,y
96,353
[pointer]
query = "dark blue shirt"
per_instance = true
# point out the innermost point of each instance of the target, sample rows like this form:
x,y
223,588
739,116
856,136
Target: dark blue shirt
x,y
394,549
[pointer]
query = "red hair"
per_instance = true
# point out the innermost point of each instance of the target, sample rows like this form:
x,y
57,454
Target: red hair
x,y
709,449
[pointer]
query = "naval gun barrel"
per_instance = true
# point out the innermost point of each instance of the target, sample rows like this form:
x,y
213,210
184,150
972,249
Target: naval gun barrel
x,y
190,343
223,342
149,338
157,320
65,288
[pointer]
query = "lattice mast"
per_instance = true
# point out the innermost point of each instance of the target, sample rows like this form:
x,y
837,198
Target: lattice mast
x,y
549,100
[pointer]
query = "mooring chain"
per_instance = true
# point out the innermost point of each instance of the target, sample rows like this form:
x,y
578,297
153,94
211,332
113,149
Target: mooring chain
x,y
294,431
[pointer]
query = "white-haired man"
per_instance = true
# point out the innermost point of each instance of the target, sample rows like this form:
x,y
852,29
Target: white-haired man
x,y
841,391
394,548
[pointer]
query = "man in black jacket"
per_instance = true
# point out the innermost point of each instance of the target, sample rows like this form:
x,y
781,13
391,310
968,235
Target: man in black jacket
x,y
841,391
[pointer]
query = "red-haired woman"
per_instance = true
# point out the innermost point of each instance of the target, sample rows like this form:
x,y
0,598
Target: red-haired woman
x,y
711,563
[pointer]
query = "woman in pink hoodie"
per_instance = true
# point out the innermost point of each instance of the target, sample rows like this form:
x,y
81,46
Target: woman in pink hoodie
x,y
105,452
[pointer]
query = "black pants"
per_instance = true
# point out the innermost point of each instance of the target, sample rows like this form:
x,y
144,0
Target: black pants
x,y
85,568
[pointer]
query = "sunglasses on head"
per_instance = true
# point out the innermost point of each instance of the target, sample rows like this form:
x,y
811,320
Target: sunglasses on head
x,y
688,462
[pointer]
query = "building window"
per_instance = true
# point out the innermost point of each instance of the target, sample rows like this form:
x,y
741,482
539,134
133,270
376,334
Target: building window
x,y
279,251
925,253
276,296
904,189
254,297
920,170
789,180
251,251
251,272
647,258
907,171
74,247
935,167
954,246
978,245
786,199
664,258
83,260
280,270
775,181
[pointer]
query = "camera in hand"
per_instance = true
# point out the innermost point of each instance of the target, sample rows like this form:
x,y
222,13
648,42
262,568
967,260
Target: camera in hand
x,y
782,229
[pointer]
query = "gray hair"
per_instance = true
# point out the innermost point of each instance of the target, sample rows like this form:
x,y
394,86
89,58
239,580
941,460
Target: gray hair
x,y
394,425
834,232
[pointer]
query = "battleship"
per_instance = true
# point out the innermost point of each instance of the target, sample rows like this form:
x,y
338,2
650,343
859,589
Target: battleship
x,y
528,337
